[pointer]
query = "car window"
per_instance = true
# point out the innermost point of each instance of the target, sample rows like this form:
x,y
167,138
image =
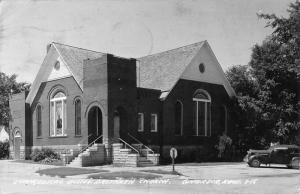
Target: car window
x,y
281,149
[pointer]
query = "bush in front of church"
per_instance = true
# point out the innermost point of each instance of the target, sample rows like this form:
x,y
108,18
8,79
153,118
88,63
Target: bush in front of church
x,y
4,150
44,154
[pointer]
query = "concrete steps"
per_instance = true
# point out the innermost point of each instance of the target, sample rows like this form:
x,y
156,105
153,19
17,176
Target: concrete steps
x,y
128,157
94,155
143,162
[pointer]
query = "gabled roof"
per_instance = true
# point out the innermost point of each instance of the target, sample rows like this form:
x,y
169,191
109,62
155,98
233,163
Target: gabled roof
x,y
161,71
73,58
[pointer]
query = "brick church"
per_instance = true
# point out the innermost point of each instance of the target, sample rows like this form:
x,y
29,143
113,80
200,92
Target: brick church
x,y
95,108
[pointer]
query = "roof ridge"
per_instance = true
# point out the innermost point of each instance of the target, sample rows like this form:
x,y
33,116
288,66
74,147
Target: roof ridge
x,y
77,47
174,49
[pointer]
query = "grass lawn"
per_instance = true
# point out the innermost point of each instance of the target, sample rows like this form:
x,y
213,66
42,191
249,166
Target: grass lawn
x,y
162,172
67,171
54,163
124,175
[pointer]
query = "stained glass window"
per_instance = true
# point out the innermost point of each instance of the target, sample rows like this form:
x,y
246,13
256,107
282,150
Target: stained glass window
x,y
58,116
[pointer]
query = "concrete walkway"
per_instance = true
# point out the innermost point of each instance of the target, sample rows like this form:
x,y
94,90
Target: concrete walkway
x,y
230,178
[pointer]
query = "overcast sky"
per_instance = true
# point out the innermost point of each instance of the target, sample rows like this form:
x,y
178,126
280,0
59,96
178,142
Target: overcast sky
x,y
129,28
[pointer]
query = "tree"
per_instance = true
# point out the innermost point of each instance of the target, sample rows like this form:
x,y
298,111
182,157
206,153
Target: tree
x,y
8,86
268,87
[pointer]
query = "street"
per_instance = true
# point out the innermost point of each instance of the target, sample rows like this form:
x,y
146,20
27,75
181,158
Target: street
x,y
196,178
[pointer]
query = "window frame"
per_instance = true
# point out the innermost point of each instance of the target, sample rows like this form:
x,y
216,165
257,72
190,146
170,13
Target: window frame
x,y
142,122
63,101
181,118
155,122
77,115
225,119
39,120
207,106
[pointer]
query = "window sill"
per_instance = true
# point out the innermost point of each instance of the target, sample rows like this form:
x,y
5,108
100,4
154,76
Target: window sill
x,y
61,136
77,135
39,137
140,131
153,131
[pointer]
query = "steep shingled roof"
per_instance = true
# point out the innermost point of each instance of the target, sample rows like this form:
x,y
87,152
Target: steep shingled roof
x,y
162,70
74,56
159,71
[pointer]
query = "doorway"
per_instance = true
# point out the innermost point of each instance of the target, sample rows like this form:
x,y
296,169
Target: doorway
x,y
120,124
94,124
17,144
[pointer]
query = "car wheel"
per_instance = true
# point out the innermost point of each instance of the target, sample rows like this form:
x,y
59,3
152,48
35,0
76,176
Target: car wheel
x,y
255,163
295,163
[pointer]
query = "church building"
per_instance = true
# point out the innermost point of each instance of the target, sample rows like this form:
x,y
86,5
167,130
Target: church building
x,y
97,108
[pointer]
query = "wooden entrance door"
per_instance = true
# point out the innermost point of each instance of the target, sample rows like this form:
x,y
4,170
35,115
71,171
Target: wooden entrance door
x,y
94,124
116,125
17,144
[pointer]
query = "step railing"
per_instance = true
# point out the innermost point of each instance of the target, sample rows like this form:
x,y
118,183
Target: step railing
x,y
66,150
127,144
82,150
138,141
85,138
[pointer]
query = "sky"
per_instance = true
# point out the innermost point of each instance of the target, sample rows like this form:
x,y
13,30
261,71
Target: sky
x,y
130,28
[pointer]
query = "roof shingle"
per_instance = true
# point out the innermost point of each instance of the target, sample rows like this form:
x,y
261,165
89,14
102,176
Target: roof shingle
x,y
74,58
162,70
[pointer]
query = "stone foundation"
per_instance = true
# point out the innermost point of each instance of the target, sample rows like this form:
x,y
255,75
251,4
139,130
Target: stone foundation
x,y
124,157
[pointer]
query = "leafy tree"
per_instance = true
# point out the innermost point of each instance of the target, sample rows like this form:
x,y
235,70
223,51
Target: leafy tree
x,y
8,86
268,87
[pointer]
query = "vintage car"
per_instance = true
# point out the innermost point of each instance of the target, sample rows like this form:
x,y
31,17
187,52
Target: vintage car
x,y
279,154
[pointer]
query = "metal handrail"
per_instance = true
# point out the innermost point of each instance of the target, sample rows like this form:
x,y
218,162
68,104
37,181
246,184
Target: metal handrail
x,y
128,145
85,138
82,150
67,159
78,142
149,149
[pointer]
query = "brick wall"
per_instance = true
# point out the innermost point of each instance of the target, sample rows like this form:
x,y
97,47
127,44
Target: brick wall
x,y
70,87
148,103
18,110
184,91
122,94
95,90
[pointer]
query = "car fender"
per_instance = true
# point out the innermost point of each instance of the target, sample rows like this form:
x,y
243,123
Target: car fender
x,y
254,157
293,160
263,158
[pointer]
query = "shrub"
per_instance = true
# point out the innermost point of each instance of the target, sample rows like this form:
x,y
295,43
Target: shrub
x,y
224,144
4,149
41,154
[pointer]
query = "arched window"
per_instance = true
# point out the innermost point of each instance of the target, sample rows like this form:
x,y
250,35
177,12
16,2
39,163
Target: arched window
x,y
39,120
78,117
58,115
223,118
17,133
178,118
202,113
